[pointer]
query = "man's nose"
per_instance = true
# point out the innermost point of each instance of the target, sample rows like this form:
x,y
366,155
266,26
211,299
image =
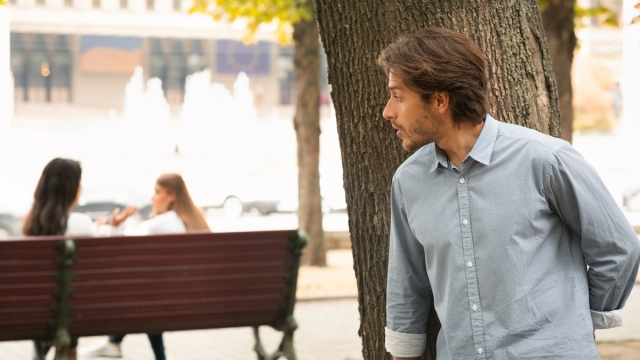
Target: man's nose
x,y
389,113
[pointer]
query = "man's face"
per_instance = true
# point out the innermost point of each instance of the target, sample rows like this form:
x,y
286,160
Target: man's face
x,y
415,122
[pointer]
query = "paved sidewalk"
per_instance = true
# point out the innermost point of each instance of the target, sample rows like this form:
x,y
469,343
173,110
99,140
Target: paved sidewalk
x,y
328,331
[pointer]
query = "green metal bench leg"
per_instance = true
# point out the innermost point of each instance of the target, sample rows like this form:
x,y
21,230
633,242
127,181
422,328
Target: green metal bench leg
x,y
62,344
286,347
64,291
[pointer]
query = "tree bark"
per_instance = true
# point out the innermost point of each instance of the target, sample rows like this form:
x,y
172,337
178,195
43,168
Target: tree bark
x,y
522,90
306,65
557,20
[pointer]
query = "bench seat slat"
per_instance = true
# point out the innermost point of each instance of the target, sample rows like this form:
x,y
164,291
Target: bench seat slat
x,y
231,237
192,323
27,266
28,254
26,278
144,261
27,312
173,271
93,252
80,325
204,304
176,283
36,329
20,301
121,296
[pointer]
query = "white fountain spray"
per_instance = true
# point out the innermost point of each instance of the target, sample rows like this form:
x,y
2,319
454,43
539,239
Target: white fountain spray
x,y
148,117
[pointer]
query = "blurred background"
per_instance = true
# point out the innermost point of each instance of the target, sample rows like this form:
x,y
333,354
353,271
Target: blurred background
x,y
135,88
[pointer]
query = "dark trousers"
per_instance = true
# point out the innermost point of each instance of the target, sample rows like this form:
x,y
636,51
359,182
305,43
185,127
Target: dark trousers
x,y
157,344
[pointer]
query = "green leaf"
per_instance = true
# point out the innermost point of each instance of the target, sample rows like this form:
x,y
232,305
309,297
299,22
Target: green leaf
x,y
282,13
603,15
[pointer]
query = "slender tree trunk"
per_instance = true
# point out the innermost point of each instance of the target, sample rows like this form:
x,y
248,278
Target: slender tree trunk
x,y
306,64
522,90
557,19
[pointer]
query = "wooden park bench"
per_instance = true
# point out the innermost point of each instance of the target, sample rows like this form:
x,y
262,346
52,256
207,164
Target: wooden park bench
x,y
52,288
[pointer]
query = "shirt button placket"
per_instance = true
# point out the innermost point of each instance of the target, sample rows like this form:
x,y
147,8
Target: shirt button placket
x,y
477,327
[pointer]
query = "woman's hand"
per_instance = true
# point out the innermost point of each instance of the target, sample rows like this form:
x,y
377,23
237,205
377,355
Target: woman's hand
x,y
118,217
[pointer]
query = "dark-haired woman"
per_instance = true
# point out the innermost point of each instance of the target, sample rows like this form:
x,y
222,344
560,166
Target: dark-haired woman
x,y
57,192
173,212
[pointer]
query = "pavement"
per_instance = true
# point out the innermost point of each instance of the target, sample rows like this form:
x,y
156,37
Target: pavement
x,y
328,331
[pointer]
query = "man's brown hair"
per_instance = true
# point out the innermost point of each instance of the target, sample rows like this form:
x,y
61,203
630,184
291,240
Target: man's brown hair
x,y
436,59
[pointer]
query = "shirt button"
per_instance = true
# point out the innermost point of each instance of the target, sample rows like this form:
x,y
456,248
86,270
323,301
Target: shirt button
x,y
461,180
469,264
479,350
465,221
474,307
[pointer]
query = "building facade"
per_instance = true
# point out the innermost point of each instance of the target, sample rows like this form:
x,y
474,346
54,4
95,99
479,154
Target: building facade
x,y
83,52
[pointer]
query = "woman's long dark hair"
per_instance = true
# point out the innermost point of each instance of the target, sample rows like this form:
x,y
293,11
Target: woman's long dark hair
x,y
54,196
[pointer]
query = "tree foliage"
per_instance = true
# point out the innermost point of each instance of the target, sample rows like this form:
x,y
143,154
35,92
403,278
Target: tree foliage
x,y
284,13
603,15
1,2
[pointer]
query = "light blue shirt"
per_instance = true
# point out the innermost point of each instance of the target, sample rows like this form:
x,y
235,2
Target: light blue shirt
x,y
501,248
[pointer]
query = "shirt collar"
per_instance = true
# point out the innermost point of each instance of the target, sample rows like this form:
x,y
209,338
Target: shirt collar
x,y
481,151
439,157
483,148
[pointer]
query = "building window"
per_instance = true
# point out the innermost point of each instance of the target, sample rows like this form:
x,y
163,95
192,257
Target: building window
x,y
96,3
124,4
150,4
61,65
177,5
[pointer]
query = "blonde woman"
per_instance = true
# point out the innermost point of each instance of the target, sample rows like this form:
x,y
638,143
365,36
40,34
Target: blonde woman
x,y
173,212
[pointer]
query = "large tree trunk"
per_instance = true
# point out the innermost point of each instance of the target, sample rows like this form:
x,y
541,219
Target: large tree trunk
x,y
522,90
306,65
557,19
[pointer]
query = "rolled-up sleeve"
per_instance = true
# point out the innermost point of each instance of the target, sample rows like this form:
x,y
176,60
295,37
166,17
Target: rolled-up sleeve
x,y
409,293
609,244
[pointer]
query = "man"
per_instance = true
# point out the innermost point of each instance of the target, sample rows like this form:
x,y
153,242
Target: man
x,y
508,232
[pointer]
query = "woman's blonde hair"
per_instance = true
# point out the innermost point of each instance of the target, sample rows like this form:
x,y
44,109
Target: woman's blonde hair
x,y
183,205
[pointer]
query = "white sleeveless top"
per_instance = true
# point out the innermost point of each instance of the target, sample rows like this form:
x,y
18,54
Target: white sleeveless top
x,y
168,223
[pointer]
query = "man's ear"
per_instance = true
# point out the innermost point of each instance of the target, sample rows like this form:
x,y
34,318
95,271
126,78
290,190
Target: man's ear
x,y
441,101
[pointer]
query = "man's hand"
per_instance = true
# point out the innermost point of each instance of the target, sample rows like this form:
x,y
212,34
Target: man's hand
x,y
118,217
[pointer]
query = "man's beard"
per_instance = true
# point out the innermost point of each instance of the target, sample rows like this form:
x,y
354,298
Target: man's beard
x,y
425,132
